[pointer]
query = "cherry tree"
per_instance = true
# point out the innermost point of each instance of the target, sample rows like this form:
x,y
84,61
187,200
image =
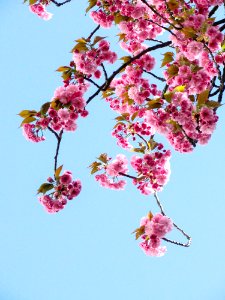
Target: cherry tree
x,y
184,111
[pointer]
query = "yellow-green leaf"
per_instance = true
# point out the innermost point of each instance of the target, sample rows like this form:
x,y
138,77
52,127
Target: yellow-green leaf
x,y
98,39
31,2
103,157
202,98
28,120
63,69
27,113
92,3
168,57
58,171
45,187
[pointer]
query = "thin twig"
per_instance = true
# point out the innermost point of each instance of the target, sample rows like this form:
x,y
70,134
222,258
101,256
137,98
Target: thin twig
x,y
219,22
57,149
105,73
128,176
214,9
92,81
58,4
157,77
177,227
59,138
93,32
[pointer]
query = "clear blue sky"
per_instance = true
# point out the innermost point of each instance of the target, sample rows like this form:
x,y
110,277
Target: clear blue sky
x,y
87,250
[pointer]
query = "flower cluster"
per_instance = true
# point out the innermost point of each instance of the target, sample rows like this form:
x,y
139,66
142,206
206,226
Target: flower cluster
x,y
152,230
113,170
153,170
40,10
87,62
59,114
64,189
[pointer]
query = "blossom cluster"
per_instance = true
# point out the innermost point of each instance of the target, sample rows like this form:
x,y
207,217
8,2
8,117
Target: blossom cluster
x,y
64,189
60,114
40,10
153,170
88,61
152,230
113,171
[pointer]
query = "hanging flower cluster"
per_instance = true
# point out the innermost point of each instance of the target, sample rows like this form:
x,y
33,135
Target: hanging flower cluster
x,y
60,190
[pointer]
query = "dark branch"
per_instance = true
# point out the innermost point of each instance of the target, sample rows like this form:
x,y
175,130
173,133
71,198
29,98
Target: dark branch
x,y
155,76
178,228
92,81
93,32
214,9
105,73
219,22
59,138
58,4
108,82
126,175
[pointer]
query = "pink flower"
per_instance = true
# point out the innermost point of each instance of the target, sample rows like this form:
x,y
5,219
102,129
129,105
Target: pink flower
x,y
148,250
66,178
40,11
31,134
161,225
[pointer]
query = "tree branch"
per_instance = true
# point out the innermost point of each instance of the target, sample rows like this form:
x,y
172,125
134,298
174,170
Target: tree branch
x,y
59,138
107,83
178,228
58,4
93,32
155,76
128,176
214,9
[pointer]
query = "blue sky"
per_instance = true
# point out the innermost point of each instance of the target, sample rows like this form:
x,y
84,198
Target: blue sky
x,y
87,250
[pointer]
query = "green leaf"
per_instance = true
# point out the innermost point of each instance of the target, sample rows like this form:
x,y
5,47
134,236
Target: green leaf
x,y
202,98
189,32
81,40
212,104
125,59
31,2
27,113
139,232
168,96
45,187
45,107
134,116
173,4
58,171
109,92
80,47
103,158
150,215
98,39
63,69
92,3
154,104
168,57
172,70
28,120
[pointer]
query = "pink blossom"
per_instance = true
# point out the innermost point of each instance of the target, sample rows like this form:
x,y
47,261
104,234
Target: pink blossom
x,y
40,11
31,134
